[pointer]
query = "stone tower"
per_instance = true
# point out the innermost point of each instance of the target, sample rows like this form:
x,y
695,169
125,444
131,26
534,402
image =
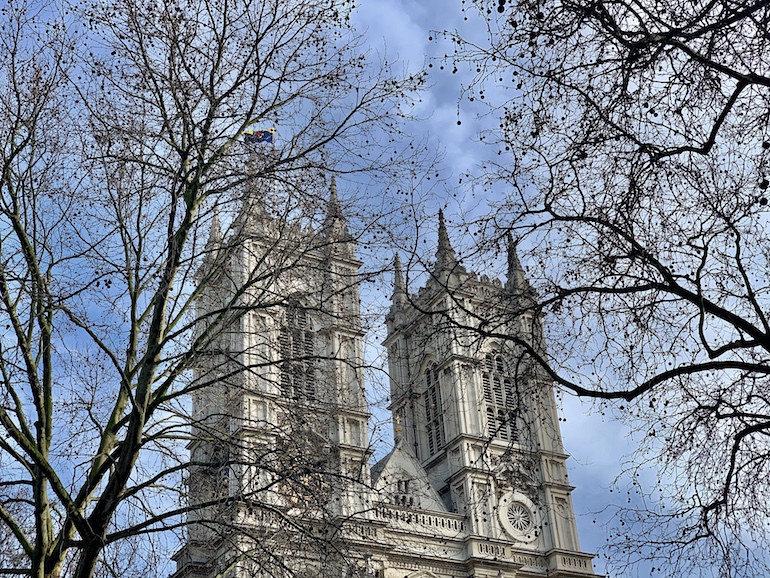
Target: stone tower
x,y
280,481
280,428
479,416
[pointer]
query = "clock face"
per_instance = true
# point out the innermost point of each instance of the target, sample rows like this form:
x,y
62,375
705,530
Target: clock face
x,y
519,517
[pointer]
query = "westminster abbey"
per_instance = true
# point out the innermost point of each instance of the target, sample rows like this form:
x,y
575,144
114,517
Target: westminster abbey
x,y
281,482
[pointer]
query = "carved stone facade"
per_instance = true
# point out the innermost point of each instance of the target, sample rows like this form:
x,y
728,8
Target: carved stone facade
x,y
280,480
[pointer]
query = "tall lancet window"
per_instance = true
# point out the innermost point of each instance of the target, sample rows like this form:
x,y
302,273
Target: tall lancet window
x,y
499,399
298,378
434,421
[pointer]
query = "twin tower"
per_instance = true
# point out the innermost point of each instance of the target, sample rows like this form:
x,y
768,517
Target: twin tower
x,y
280,481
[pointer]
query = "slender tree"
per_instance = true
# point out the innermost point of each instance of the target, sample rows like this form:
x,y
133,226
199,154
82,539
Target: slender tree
x,y
124,132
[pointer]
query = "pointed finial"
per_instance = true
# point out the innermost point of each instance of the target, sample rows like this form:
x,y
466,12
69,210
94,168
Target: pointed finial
x,y
253,217
334,201
215,233
397,429
213,246
516,278
398,279
399,287
335,224
445,254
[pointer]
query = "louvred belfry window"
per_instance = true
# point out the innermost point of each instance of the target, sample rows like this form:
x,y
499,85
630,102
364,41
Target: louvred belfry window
x,y
499,399
297,356
433,410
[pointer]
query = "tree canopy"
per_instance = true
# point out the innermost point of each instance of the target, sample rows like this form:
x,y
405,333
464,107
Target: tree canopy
x,y
633,150
122,131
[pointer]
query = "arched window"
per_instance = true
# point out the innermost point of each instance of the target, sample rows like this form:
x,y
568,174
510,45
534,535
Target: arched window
x,y
434,422
297,354
499,399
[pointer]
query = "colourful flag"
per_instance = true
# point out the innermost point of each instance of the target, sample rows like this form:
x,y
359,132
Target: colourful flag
x,y
257,136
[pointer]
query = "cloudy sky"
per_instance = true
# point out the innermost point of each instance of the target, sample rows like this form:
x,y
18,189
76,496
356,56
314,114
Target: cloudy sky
x,y
400,31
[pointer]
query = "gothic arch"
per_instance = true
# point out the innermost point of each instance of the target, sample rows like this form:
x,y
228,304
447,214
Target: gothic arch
x,y
428,360
493,346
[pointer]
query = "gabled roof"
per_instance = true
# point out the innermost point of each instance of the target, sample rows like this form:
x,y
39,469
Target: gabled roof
x,y
402,465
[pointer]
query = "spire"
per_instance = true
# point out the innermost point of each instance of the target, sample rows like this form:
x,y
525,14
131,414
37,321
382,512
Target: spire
x,y
399,287
335,224
516,278
445,254
213,245
398,277
334,200
215,233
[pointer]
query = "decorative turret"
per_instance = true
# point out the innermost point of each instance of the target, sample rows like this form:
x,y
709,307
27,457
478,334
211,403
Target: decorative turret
x,y
516,279
214,241
447,266
399,297
446,259
335,225
253,219
213,247
523,300
335,231
399,300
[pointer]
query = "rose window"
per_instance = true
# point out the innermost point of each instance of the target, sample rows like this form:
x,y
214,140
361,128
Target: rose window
x,y
519,517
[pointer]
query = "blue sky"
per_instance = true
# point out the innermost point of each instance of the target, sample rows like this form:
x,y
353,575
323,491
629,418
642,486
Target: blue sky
x,y
399,30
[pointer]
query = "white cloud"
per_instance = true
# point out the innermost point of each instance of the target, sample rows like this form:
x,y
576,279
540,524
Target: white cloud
x,y
393,32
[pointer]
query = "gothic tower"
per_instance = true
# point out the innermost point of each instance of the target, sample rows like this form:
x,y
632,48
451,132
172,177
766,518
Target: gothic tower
x,y
280,484
280,432
474,409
